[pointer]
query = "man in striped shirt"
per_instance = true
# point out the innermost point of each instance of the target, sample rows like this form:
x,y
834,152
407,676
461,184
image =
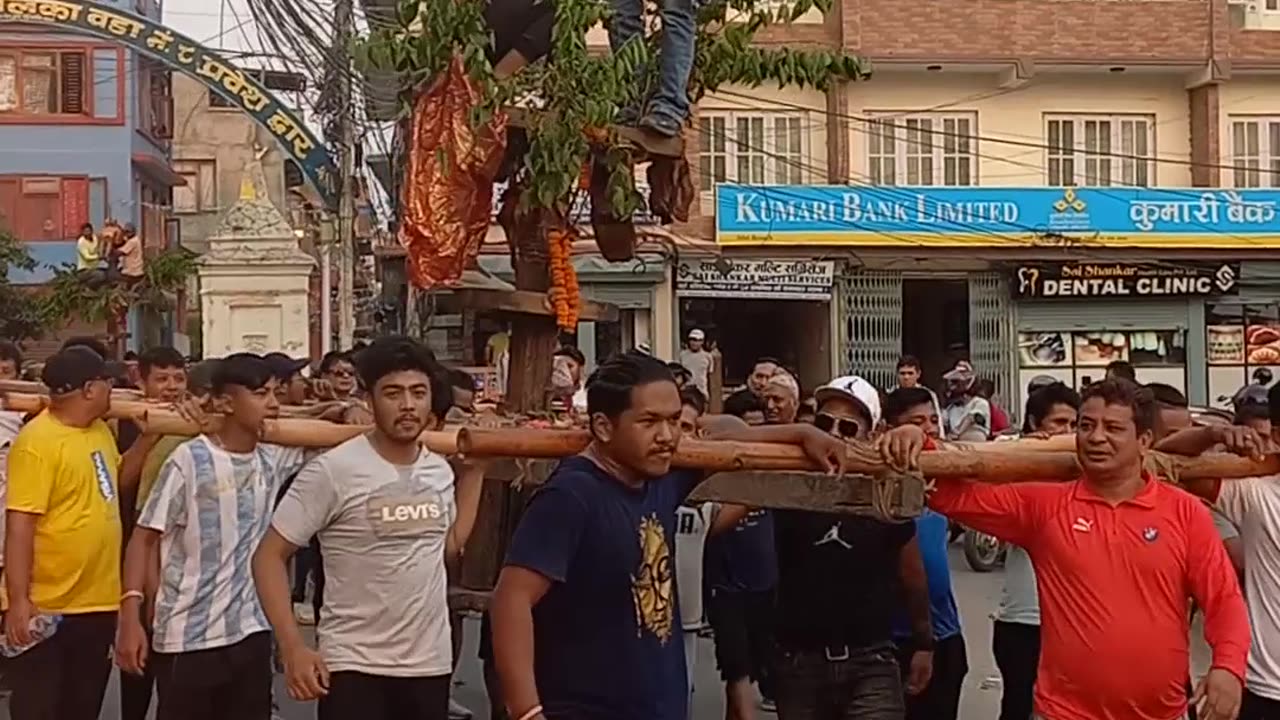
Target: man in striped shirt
x,y
207,512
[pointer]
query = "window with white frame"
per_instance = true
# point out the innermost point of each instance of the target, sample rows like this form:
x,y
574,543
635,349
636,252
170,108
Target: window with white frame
x,y
924,149
751,148
200,194
1100,150
1255,151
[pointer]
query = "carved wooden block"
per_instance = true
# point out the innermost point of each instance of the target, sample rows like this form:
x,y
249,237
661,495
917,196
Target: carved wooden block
x,y
888,495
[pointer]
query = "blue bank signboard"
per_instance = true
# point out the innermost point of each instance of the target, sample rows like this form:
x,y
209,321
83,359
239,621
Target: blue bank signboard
x,y
996,216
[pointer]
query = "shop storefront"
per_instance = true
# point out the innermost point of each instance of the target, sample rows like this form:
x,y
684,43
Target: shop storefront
x,y
760,307
984,273
1242,332
1075,318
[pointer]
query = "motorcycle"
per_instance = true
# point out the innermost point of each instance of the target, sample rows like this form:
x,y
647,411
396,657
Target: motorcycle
x,y
983,552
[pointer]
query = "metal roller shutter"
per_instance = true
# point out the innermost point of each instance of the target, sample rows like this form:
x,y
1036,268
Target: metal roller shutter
x,y
1040,316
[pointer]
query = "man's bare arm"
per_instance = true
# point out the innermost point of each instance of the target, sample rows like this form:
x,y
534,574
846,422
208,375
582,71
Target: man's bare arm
x,y
467,490
511,612
19,548
271,577
131,464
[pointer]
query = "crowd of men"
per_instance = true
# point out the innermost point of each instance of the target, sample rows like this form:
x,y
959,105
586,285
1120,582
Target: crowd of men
x,y
172,553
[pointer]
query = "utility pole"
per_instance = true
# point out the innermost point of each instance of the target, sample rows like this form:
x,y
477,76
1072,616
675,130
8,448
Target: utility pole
x,y
342,31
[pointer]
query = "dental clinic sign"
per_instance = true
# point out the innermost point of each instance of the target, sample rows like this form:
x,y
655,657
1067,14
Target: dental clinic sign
x,y
996,216
1097,279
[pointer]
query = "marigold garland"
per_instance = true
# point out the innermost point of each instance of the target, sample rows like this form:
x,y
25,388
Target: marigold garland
x,y
565,296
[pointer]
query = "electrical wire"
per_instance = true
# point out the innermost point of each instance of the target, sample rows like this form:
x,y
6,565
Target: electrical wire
x,y
1080,245
989,138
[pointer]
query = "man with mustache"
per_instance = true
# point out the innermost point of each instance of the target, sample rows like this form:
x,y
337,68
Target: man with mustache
x,y
1116,545
388,515
585,612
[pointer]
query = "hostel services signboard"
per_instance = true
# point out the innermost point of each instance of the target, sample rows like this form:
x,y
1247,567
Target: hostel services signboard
x,y
996,216
783,279
1096,280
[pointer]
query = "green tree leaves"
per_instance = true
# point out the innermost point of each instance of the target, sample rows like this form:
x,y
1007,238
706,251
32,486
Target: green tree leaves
x,y
576,90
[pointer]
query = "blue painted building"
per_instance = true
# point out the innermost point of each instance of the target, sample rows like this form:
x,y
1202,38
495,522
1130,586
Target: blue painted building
x,y
85,127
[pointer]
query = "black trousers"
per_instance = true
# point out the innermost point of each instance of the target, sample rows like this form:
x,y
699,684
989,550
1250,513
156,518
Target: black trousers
x,y
64,677
1256,707
839,683
357,696
308,561
216,684
1016,647
743,626
135,693
940,700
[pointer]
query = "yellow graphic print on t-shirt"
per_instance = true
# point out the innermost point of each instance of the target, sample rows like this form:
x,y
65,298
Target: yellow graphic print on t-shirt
x,y
652,586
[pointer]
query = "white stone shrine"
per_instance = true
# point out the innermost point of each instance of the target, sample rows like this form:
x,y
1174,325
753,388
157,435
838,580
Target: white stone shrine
x,y
254,280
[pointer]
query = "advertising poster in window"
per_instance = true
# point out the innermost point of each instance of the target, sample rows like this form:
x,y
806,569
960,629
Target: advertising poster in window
x,y
1045,350
1099,349
1243,344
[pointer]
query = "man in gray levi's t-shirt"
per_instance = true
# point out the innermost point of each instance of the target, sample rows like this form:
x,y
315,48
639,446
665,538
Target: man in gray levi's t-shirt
x,y
383,529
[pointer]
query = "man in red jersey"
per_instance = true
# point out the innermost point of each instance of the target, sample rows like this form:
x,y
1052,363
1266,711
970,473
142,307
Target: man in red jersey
x,y
1116,554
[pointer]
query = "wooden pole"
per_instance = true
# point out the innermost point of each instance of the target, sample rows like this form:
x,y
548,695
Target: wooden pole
x,y
1013,461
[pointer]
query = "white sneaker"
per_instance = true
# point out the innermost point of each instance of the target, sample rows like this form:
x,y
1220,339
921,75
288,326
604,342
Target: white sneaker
x,y
457,711
304,614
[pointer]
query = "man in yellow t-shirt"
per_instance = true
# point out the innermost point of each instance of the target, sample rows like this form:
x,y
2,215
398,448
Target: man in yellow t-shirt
x,y
62,543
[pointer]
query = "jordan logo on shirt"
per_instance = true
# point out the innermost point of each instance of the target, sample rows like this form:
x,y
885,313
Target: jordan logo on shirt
x,y
1082,525
833,536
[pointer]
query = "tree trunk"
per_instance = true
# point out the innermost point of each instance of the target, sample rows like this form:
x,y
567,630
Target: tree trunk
x,y
533,337
533,340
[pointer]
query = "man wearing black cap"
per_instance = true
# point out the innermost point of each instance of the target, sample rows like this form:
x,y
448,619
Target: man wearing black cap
x,y
291,386
62,543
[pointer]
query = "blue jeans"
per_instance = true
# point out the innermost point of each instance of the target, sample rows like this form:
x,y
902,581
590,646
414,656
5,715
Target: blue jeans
x,y
669,104
839,683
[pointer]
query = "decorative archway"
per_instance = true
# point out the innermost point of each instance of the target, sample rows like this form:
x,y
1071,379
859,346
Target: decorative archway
x,y
181,53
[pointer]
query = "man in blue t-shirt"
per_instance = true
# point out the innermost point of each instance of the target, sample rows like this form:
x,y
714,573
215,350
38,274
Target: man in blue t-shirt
x,y
940,698
585,615
741,572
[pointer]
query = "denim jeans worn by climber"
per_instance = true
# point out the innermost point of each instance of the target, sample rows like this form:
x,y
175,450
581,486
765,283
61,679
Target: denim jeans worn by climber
x,y
668,106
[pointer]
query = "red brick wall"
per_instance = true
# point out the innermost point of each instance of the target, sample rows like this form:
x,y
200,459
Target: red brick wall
x,y
1048,31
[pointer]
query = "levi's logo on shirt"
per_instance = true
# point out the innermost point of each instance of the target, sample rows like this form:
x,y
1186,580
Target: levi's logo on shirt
x,y
103,474
408,515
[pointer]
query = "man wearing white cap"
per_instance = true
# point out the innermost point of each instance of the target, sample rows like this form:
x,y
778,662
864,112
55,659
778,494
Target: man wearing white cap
x,y
838,586
697,360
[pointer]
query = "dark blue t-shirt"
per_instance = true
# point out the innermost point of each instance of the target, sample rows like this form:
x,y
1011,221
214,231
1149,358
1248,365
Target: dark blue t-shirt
x,y
607,640
744,559
932,535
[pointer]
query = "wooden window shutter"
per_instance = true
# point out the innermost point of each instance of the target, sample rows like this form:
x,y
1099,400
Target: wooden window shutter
x,y
75,205
73,83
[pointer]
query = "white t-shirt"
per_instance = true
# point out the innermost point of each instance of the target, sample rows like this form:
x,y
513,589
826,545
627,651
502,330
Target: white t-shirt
x,y
1019,602
699,366
692,526
382,531
10,424
1253,505
978,428
212,508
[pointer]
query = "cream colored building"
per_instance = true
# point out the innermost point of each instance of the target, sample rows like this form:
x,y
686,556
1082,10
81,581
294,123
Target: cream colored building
x,y
1073,94
213,144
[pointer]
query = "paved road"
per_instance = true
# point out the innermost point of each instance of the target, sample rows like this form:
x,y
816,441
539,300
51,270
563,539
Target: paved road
x,y
977,595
